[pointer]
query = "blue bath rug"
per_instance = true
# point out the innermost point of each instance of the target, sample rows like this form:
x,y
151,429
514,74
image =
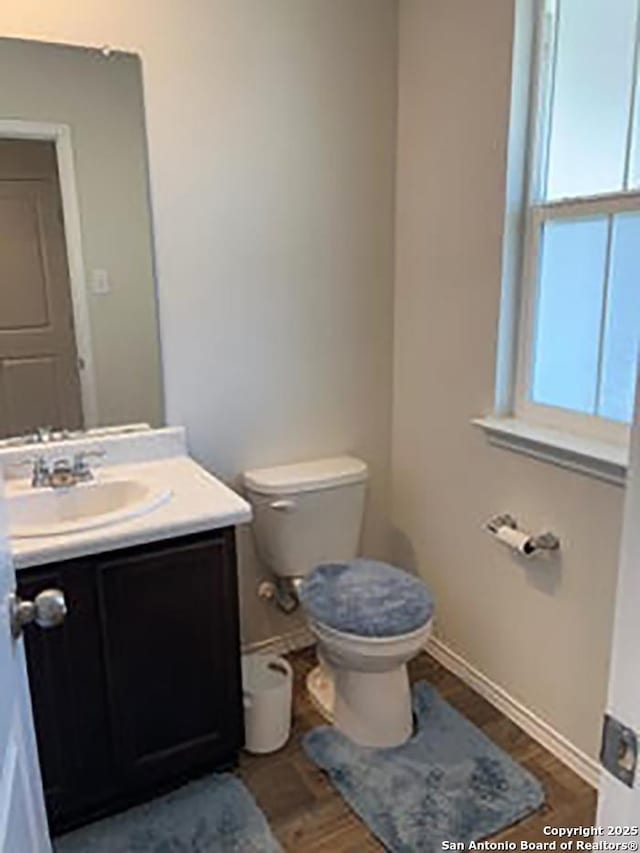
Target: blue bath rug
x,y
212,815
449,782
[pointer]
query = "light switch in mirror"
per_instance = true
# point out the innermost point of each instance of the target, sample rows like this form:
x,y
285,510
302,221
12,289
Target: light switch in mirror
x,y
79,343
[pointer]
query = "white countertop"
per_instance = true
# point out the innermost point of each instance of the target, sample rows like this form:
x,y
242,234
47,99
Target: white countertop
x,y
198,502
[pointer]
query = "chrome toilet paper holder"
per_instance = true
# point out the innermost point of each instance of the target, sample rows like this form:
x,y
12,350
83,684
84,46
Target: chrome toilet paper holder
x,y
547,541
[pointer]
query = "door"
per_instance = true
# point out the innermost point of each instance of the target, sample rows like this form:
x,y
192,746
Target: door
x,y
39,379
619,803
23,825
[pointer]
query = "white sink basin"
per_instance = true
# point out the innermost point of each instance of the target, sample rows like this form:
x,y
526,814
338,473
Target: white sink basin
x,y
58,512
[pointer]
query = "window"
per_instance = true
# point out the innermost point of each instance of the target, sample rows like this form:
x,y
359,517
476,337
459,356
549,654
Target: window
x,y
580,320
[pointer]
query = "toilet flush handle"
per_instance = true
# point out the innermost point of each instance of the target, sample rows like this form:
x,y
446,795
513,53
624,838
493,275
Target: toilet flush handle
x,y
283,505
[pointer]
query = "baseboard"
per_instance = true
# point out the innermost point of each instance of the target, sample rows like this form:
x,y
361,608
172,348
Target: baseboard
x,y
566,752
284,644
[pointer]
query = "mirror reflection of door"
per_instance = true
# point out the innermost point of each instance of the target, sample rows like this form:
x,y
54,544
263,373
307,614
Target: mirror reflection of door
x,y
39,379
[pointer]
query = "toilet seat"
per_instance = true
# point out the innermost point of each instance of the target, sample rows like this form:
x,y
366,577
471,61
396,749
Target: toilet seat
x,y
378,646
366,599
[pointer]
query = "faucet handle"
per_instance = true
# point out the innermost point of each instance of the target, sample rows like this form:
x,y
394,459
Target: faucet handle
x,y
81,467
40,471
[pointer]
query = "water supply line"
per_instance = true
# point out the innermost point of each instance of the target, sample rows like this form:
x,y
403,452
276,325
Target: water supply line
x,y
283,591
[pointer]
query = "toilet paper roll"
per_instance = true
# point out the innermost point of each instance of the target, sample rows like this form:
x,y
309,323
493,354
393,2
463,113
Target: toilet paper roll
x,y
517,540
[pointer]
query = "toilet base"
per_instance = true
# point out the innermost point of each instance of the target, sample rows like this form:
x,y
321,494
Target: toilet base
x,y
321,692
361,684
372,709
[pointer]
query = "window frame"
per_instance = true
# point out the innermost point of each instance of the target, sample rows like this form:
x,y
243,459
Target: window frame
x,y
535,214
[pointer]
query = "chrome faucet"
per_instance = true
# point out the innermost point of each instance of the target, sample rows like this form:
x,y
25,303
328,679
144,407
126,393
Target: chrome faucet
x,y
63,472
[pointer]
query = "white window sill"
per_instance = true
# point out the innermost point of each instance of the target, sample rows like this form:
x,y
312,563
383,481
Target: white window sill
x,y
599,459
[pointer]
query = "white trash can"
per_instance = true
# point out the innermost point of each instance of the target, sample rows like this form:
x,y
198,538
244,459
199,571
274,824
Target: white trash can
x,y
267,682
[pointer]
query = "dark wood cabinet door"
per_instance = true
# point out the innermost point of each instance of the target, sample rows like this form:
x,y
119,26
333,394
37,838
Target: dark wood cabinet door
x,y
169,624
68,694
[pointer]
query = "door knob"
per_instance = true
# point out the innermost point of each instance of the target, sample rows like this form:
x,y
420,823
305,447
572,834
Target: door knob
x,y
47,610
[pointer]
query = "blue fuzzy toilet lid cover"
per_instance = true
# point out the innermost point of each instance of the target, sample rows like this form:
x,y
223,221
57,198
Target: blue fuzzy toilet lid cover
x,y
366,598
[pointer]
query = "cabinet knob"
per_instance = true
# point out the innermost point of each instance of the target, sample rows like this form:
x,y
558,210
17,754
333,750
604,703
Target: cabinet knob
x,y
47,610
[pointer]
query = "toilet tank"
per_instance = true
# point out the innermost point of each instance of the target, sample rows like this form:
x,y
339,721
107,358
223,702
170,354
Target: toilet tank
x,y
308,513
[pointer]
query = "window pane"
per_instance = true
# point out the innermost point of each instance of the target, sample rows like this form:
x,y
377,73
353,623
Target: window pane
x,y
569,313
591,96
622,324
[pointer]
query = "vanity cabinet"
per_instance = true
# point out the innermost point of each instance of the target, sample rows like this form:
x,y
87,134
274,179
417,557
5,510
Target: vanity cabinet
x,y
140,688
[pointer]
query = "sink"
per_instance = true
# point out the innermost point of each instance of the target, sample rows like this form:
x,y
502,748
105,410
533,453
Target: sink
x,y
58,512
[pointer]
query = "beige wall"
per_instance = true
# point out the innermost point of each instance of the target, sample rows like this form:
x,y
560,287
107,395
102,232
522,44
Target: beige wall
x,y
272,139
101,100
541,631
271,131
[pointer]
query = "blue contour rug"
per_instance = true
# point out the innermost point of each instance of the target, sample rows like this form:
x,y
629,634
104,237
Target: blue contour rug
x,y
449,782
213,815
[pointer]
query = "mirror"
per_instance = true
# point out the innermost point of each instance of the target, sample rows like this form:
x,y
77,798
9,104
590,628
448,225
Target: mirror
x,y
79,342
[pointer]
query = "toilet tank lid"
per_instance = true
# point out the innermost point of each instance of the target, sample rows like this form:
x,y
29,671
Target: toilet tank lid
x,y
307,476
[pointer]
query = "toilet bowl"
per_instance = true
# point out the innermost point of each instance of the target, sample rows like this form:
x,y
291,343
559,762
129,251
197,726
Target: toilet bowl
x,y
369,618
361,684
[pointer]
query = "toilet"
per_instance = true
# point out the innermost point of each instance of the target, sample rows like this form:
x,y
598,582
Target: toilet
x,y
369,618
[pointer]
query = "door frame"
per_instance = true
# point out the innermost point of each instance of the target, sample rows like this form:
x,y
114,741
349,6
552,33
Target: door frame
x,y
61,135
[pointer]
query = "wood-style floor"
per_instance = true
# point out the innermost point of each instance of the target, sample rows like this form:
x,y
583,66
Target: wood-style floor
x,y
307,815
